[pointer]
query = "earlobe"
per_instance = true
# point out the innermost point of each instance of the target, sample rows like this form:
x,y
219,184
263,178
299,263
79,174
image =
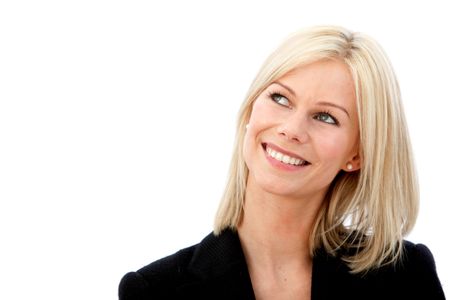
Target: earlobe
x,y
353,165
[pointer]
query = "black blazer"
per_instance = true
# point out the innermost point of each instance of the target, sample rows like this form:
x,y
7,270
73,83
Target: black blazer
x,y
216,269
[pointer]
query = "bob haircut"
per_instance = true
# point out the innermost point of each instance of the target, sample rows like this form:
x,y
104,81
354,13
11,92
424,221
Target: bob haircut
x,y
366,213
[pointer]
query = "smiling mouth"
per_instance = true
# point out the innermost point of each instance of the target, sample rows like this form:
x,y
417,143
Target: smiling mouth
x,y
284,158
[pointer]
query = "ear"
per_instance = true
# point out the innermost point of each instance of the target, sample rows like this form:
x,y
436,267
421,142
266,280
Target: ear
x,y
353,164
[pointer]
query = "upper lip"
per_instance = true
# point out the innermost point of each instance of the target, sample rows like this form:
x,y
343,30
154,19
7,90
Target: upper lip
x,y
281,150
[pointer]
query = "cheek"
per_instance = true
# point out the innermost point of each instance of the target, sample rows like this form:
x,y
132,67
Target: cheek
x,y
258,122
259,113
246,146
334,148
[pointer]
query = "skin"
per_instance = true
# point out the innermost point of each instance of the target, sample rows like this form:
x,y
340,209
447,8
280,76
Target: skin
x,y
311,114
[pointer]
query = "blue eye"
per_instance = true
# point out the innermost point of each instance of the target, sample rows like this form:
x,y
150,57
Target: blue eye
x,y
326,117
280,99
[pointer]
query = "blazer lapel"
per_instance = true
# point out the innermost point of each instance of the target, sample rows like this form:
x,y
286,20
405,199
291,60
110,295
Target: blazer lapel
x,y
218,269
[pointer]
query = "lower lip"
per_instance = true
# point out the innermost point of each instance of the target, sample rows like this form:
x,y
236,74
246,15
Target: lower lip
x,y
280,165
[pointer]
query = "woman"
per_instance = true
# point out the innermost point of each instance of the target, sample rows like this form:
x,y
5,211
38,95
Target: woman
x,y
321,192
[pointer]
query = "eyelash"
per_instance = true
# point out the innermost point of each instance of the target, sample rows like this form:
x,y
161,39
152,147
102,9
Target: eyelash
x,y
336,122
272,95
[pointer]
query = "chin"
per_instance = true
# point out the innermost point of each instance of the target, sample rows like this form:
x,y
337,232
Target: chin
x,y
282,189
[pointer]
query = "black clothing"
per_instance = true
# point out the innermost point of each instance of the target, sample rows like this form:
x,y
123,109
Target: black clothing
x,y
216,269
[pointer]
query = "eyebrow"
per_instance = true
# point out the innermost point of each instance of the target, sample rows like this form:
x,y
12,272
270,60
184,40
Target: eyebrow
x,y
291,91
334,105
286,87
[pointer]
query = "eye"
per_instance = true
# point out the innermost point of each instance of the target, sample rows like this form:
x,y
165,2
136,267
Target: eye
x,y
280,99
326,117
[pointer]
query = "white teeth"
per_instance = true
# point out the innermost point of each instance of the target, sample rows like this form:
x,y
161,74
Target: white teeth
x,y
278,156
284,158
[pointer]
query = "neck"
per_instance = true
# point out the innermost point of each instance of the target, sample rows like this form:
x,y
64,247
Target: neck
x,y
275,229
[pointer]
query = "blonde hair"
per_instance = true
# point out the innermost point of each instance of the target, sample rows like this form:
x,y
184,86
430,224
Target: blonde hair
x,y
366,213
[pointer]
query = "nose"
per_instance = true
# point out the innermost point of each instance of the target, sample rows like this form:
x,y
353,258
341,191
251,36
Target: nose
x,y
294,129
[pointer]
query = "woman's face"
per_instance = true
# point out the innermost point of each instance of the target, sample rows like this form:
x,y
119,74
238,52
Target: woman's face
x,y
302,131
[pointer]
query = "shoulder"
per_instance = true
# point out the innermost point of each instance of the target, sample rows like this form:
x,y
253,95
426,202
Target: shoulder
x,y
416,260
413,275
156,278
197,270
417,256
419,262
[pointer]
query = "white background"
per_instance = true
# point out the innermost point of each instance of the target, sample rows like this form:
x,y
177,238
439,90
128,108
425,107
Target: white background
x,y
117,121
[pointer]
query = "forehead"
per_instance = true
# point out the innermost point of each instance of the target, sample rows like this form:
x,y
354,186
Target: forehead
x,y
325,77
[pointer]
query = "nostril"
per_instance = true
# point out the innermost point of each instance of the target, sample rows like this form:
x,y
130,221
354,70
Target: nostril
x,y
298,138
